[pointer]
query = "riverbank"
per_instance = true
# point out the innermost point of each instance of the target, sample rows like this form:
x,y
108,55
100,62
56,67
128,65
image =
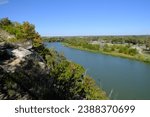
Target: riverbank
x,y
138,57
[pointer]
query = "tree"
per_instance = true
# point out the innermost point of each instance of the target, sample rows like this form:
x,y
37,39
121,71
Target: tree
x,y
5,22
28,30
37,41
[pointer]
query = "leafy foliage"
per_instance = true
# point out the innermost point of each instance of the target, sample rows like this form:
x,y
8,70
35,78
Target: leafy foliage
x,y
70,81
84,43
22,32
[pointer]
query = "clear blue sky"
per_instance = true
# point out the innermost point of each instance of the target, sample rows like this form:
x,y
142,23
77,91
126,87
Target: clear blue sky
x,y
81,17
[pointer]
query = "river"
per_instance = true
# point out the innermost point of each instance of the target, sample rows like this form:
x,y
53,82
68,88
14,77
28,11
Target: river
x,y
120,78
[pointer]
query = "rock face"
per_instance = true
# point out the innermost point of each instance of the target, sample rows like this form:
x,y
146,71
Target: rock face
x,y
23,73
21,52
15,56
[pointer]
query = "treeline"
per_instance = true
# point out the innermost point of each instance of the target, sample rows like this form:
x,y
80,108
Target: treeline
x,y
131,40
53,39
133,47
125,49
134,40
141,40
79,42
22,32
85,43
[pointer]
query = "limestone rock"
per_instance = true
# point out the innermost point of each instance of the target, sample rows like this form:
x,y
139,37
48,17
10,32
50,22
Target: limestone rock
x,y
42,65
21,52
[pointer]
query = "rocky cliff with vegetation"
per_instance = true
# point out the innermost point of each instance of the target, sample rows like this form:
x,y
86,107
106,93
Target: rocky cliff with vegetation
x,y
28,70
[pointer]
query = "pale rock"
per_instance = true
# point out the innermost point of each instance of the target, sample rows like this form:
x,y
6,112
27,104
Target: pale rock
x,y
42,65
21,52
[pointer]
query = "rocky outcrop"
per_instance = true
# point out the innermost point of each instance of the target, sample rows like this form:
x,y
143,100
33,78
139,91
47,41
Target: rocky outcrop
x,y
23,73
20,52
15,55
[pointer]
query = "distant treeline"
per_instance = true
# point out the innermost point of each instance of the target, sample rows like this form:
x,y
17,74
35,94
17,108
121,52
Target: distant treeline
x,y
141,40
103,47
133,47
53,39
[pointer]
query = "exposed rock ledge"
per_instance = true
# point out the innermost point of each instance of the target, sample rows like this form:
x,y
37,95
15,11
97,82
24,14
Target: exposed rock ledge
x,y
23,74
16,55
21,52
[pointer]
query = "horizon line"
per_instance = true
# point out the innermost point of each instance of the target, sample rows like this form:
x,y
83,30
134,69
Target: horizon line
x,y
93,35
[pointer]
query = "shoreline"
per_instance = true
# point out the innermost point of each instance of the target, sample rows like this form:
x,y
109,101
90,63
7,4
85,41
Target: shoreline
x,y
138,57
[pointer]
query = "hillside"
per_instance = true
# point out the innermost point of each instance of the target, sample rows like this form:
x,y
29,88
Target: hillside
x,y
28,70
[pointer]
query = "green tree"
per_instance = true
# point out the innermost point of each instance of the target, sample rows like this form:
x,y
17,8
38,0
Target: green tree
x,y
28,30
5,22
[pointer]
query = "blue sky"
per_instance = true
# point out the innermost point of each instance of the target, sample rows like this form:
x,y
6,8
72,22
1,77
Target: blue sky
x,y
81,17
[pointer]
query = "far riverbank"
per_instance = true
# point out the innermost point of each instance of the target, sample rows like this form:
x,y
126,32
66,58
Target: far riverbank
x,y
138,57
